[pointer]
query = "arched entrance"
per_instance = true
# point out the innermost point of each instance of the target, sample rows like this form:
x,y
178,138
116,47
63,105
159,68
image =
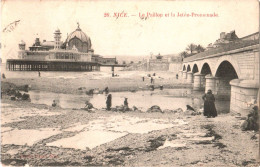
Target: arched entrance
x,y
184,68
195,68
199,79
222,89
205,69
226,70
189,75
188,68
224,74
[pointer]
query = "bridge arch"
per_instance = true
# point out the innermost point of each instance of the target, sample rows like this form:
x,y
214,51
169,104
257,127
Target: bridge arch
x,y
205,69
226,70
184,68
195,68
188,68
231,62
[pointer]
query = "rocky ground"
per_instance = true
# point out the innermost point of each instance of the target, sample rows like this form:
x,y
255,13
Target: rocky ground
x,y
190,141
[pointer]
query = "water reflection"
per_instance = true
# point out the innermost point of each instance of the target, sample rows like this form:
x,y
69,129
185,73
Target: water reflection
x,y
166,99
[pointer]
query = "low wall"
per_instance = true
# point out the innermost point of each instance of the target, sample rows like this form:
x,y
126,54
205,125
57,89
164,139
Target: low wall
x,y
175,67
158,66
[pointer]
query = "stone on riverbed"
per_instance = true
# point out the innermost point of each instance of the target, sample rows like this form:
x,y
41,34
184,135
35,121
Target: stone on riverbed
x,y
121,108
191,112
26,96
90,92
136,109
155,108
179,110
251,123
168,111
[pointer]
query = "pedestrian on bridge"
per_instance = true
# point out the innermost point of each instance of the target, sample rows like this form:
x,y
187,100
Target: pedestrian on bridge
x,y
209,105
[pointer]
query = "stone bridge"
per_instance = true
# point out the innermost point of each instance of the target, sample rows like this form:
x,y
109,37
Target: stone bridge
x,y
231,71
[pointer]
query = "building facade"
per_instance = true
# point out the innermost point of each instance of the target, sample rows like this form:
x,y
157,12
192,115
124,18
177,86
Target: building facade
x,y
74,54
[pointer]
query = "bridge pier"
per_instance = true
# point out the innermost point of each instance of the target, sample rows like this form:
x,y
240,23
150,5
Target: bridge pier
x,y
189,77
220,86
223,88
243,95
199,81
180,74
210,83
184,75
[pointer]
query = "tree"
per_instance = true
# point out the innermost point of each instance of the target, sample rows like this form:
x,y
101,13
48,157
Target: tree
x,y
200,48
191,48
124,62
184,54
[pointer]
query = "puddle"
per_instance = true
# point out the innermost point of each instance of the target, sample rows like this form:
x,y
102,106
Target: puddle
x,y
166,99
13,151
190,135
198,139
173,143
87,139
9,115
129,124
29,137
5,105
6,129
140,127
76,127
104,130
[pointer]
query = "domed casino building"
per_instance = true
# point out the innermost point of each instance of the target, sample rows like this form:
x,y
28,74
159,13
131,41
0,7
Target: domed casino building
x,y
80,40
75,54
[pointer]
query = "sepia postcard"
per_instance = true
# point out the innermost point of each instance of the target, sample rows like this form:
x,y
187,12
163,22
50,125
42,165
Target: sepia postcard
x,y
130,83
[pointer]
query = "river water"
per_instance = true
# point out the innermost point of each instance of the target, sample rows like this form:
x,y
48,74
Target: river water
x,y
166,99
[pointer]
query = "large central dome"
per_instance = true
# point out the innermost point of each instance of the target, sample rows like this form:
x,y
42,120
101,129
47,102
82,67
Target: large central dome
x,y
81,41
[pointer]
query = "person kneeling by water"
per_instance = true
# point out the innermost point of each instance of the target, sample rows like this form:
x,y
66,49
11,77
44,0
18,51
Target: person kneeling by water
x,y
88,105
54,104
106,90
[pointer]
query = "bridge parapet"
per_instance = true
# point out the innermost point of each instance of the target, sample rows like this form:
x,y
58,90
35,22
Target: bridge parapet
x,y
225,48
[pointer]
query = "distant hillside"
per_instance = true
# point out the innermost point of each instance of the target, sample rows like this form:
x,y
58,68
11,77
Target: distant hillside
x,y
136,59
170,55
128,59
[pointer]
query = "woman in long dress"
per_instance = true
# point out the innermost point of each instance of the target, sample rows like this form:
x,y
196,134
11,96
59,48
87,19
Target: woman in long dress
x,y
109,102
209,105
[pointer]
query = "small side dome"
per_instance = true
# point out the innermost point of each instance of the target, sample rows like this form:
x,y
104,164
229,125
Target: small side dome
x,y
57,31
22,42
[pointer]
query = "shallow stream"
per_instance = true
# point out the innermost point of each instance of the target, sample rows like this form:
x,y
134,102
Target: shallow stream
x,y
166,99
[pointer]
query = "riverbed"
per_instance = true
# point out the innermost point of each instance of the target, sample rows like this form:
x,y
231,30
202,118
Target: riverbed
x,y
70,136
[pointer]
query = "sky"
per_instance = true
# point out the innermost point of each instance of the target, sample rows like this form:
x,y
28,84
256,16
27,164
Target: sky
x,y
130,35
